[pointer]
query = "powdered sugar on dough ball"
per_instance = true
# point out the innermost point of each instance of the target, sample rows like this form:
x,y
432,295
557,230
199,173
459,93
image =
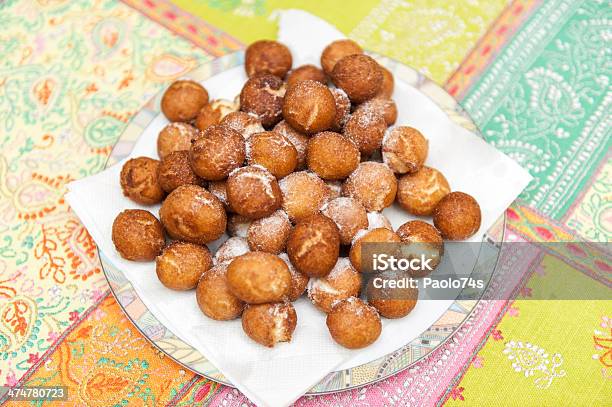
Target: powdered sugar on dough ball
x,y
299,281
244,123
348,214
238,225
232,247
304,193
269,234
299,141
378,220
342,282
373,184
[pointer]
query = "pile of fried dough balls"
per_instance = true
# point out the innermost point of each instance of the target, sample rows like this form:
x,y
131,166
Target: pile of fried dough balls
x,y
297,170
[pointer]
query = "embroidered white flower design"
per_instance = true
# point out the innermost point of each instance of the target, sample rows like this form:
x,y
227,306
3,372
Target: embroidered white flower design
x,y
531,360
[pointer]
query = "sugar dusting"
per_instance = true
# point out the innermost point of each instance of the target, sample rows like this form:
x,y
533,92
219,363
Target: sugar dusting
x,y
232,247
378,220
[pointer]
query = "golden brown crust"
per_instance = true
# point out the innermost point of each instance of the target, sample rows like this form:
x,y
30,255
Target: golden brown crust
x,y
366,128
457,216
359,76
267,57
337,50
193,214
299,281
183,100
181,264
246,124
392,302
419,193
258,278
421,238
219,189
314,245
372,184
138,180
175,170
349,215
378,235
298,139
304,193
384,106
354,324
269,324
388,83
217,152
341,283
273,151
269,234
343,109
405,149
309,107
214,296
175,137
332,156
137,235
213,112
263,96
306,73
253,192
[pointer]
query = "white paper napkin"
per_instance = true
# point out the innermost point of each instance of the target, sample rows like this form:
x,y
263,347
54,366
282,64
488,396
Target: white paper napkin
x,y
278,376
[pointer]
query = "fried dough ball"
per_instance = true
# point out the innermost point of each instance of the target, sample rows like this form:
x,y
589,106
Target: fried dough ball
x,y
299,141
314,245
457,216
299,281
372,184
392,302
219,189
238,225
306,73
342,282
378,220
258,278
183,100
193,214
217,152
332,156
426,239
419,193
267,57
246,124
138,180
304,193
253,192
354,324
366,128
384,106
273,151
388,83
137,235
214,297
213,112
269,324
349,215
263,96
181,264
175,170
309,107
379,235
337,50
231,248
343,109
359,76
405,149
175,137
269,234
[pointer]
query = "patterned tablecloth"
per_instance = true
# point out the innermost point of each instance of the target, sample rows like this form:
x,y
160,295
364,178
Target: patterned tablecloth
x,y
534,75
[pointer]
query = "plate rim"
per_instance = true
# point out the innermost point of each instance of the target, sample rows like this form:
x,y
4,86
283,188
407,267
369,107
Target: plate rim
x,y
151,109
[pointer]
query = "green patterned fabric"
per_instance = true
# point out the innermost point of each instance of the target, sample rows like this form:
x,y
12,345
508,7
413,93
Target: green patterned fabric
x,y
546,100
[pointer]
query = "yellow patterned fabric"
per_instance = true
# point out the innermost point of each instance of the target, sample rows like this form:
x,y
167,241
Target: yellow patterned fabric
x,y
433,37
